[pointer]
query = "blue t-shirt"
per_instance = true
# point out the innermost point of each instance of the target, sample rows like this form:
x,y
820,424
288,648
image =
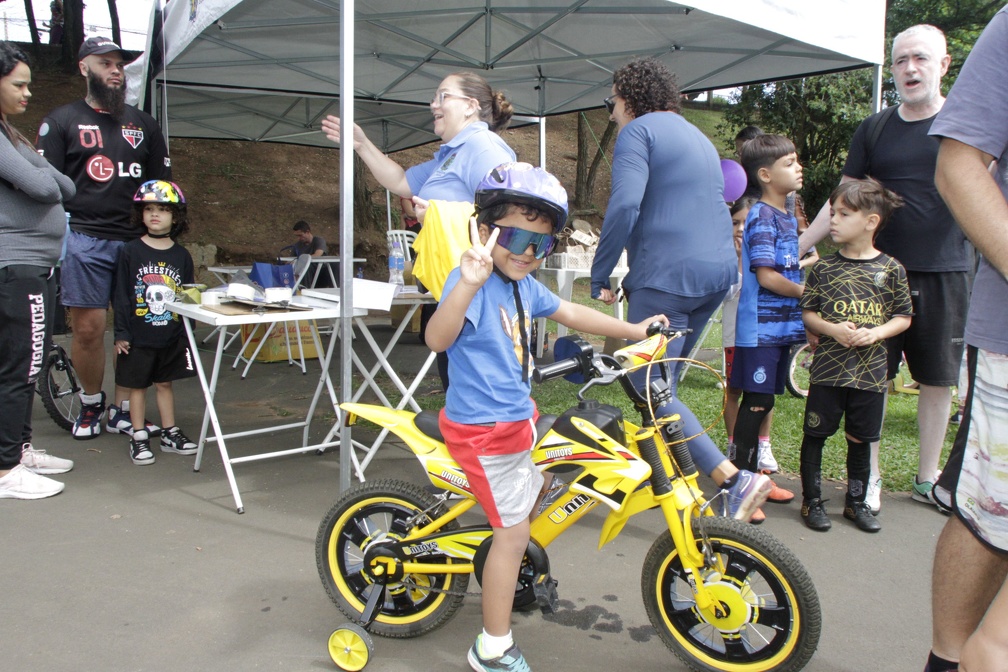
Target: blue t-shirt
x,y
667,209
459,165
974,114
484,362
765,318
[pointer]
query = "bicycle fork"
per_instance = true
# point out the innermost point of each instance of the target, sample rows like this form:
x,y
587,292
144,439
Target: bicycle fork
x,y
678,502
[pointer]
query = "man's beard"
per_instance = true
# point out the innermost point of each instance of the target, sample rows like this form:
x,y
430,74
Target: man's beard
x,y
110,99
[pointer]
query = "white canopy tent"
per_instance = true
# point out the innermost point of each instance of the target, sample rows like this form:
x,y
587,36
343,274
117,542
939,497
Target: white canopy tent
x,y
270,70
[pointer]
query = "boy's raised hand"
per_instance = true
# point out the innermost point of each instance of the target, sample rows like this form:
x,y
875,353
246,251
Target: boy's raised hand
x,y
477,264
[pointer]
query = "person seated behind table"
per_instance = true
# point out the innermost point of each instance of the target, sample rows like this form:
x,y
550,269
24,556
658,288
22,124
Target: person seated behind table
x,y
306,243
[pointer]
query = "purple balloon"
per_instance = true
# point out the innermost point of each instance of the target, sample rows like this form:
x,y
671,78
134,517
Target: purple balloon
x,y
734,179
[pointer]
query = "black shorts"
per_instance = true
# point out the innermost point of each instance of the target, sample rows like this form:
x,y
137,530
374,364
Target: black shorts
x,y
143,367
933,344
863,409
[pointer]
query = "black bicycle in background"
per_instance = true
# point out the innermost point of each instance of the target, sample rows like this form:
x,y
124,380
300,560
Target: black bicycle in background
x,y
58,386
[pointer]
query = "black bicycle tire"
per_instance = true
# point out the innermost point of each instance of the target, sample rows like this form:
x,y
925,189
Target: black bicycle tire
x,y
347,591
767,557
793,386
50,388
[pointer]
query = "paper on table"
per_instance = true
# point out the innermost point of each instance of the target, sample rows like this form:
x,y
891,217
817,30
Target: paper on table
x,y
367,294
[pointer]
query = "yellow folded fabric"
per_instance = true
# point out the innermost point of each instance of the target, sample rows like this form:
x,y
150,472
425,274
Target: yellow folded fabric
x,y
441,242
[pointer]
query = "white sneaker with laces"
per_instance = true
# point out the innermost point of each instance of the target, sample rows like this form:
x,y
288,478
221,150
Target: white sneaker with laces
x,y
42,463
873,496
21,483
765,460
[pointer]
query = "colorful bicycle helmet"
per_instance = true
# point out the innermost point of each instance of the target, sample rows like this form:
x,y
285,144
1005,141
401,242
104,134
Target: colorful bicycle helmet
x,y
159,191
524,183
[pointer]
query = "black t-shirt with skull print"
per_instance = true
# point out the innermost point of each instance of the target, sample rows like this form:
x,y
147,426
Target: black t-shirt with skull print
x,y
145,281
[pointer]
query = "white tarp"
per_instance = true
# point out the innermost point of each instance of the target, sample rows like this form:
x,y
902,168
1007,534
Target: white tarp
x,y
268,70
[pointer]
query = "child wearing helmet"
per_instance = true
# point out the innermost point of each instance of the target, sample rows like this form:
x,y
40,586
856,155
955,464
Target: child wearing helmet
x,y
150,344
483,322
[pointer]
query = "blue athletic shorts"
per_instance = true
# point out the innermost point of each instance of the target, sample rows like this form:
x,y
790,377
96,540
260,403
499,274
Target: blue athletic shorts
x,y
88,271
760,369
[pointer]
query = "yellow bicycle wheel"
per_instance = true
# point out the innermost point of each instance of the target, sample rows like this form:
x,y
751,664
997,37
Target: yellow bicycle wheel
x,y
768,615
350,647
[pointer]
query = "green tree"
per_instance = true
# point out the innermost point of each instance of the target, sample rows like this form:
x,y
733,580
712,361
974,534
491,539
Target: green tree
x,y
820,114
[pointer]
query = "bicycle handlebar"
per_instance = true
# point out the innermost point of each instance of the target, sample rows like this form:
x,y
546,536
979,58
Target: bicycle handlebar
x,y
556,369
582,362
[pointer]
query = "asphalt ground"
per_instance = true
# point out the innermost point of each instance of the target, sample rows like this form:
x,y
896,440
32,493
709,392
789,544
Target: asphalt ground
x,y
151,568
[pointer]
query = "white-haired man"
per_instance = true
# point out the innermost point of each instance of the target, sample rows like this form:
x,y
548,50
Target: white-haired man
x,y
894,147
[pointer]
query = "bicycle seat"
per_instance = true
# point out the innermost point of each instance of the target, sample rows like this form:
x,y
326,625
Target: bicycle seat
x,y
427,422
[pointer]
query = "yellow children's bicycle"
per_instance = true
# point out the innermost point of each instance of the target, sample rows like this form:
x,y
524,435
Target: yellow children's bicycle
x,y
722,594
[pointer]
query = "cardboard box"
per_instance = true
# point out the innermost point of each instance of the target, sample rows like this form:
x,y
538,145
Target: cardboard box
x,y
275,349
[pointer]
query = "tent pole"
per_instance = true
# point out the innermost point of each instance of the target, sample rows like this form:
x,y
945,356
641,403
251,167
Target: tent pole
x,y
346,236
877,88
542,142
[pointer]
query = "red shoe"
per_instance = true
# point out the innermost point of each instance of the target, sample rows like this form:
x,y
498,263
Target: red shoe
x,y
779,495
757,517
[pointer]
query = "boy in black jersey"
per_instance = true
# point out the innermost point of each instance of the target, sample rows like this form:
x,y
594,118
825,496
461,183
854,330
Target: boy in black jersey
x,y
149,341
854,299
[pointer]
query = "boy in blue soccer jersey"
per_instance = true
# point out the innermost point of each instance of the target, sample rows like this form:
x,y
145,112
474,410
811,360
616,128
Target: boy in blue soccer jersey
x,y
768,319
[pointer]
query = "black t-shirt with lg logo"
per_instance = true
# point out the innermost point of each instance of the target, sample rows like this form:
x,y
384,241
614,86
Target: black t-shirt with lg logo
x,y
108,160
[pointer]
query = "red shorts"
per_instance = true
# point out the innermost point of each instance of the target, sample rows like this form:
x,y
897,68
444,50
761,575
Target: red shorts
x,y
497,461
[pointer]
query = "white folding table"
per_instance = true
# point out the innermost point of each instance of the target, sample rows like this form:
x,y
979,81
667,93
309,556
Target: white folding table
x,y
414,300
320,311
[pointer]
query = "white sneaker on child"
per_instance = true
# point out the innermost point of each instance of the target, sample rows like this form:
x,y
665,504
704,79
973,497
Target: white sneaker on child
x,y
765,460
873,496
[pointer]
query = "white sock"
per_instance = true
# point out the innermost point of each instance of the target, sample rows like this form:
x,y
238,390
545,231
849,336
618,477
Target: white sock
x,y
90,399
124,406
494,647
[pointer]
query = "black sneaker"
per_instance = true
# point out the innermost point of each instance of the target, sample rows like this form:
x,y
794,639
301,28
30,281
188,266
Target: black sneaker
x,y
813,512
862,516
140,451
174,441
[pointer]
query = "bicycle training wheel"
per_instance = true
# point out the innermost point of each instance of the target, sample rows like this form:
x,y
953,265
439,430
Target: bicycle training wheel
x,y
771,616
57,385
350,647
799,371
362,519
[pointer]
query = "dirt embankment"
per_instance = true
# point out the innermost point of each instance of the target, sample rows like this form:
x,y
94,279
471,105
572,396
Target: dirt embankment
x,y
244,197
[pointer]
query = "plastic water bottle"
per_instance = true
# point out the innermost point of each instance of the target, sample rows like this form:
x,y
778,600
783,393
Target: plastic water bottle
x,y
397,264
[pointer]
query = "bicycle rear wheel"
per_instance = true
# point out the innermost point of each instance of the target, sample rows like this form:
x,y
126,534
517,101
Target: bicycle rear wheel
x,y
799,371
57,385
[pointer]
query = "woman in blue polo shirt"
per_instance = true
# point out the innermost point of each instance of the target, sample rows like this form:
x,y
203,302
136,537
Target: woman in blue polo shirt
x,y
467,116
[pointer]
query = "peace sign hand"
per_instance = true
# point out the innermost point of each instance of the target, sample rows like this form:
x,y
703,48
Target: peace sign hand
x,y
476,264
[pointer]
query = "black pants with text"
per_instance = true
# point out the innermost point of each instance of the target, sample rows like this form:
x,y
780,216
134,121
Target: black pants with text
x,y
26,301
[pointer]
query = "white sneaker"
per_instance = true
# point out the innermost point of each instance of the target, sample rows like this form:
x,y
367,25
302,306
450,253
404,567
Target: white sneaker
x,y
21,483
873,497
765,461
42,463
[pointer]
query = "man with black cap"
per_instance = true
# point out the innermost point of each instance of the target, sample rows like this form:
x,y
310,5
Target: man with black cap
x,y
109,149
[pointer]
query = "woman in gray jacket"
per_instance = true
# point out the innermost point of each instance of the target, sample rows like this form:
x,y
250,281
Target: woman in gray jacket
x,y
32,225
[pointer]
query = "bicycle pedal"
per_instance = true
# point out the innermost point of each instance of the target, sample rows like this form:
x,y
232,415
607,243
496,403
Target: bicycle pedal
x,y
545,590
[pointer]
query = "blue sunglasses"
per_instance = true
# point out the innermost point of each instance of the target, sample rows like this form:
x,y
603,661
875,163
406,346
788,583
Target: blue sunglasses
x,y
516,241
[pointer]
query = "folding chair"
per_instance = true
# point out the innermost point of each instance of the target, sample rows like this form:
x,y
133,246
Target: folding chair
x,y
301,265
405,240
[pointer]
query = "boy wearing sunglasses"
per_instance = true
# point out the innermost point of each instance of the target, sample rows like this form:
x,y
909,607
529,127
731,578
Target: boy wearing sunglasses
x,y
483,322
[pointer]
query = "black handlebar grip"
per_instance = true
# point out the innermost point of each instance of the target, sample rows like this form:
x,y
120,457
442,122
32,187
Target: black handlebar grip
x,y
556,369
